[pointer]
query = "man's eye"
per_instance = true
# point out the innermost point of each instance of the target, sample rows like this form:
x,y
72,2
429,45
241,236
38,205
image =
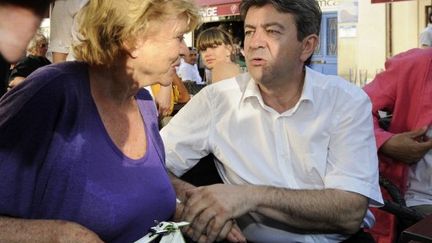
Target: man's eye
x,y
248,32
270,31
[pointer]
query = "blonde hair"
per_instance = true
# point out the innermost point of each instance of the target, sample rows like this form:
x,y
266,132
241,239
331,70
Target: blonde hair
x,y
36,42
106,26
214,36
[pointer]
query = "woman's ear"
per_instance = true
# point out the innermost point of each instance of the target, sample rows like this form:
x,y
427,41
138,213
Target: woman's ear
x,y
131,48
309,45
229,49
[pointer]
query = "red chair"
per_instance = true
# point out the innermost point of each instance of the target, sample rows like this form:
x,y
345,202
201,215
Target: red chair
x,y
394,216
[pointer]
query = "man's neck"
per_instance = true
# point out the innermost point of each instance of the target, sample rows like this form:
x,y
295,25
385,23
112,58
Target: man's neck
x,y
284,95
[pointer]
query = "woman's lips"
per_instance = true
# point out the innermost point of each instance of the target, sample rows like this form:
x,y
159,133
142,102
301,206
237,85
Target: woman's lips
x,y
209,61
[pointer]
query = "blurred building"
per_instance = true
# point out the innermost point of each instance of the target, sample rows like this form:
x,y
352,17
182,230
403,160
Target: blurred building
x,y
357,36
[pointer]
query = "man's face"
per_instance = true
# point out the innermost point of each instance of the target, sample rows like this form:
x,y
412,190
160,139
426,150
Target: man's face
x,y
272,50
191,58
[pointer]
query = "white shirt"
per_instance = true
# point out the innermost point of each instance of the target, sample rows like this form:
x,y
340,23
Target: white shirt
x,y
188,72
419,190
426,36
325,141
63,26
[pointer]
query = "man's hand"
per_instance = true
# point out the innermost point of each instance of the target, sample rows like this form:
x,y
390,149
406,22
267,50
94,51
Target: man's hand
x,y
230,231
211,210
407,147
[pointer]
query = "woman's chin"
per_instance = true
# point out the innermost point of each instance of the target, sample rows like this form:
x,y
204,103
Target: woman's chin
x,y
165,84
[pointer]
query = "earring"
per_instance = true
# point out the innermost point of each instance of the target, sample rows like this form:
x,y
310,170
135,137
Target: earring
x,y
134,54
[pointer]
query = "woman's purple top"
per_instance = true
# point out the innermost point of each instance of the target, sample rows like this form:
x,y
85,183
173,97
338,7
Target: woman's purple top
x,y
57,160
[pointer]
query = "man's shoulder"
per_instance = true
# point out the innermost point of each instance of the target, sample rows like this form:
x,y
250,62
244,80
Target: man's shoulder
x,y
413,58
59,78
414,55
333,86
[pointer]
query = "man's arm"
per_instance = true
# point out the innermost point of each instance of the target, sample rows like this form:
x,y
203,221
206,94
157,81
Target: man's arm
x,y
407,147
410,146
25,230
317,211
59,57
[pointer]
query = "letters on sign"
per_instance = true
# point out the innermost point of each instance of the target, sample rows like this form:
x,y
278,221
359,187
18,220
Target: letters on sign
x,y
327,3
209,12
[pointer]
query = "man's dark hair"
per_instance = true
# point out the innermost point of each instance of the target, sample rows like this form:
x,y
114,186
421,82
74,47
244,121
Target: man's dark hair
x,y
37,6
430,18
307,14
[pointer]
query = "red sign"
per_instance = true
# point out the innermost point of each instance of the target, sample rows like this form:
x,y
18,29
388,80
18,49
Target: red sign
x,y
221,10
204,3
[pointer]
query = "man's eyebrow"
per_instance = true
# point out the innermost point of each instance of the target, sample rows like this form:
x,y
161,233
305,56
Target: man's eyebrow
x,y
249,26
271,24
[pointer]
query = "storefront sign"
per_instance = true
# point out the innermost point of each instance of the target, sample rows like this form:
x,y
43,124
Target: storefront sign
x,y
220,10
328,3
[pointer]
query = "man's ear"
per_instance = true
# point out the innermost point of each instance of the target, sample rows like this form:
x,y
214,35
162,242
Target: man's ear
x,y
309,45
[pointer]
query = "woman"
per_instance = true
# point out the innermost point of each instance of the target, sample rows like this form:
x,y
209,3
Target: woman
x,y
35,59
217,50
81,159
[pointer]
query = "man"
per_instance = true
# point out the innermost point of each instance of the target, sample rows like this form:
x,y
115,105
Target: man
x,y
188,71
19,20
35,59
295,148
404,89
426,34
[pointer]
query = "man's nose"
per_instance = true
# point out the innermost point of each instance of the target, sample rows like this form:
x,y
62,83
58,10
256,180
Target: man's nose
x,y
257,40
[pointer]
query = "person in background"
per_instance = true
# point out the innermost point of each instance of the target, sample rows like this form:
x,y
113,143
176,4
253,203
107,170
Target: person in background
x,y
294,147
81,159
404,90
426,34
35,59
178,95
188,70
63,28
19,20
216,48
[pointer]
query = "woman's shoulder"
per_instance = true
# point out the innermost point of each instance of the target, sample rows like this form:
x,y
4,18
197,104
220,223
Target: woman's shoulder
x,y
56,80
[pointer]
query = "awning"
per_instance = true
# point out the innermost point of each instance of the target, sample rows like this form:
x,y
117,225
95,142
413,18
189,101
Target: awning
x,y
215,8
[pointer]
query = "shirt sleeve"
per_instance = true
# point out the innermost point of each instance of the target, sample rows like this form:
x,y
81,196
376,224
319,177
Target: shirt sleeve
x,y
27,119
352,163
186,136
184,73
382,92
426,37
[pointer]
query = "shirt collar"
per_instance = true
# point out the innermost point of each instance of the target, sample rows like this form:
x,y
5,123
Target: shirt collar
x,y
252,90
